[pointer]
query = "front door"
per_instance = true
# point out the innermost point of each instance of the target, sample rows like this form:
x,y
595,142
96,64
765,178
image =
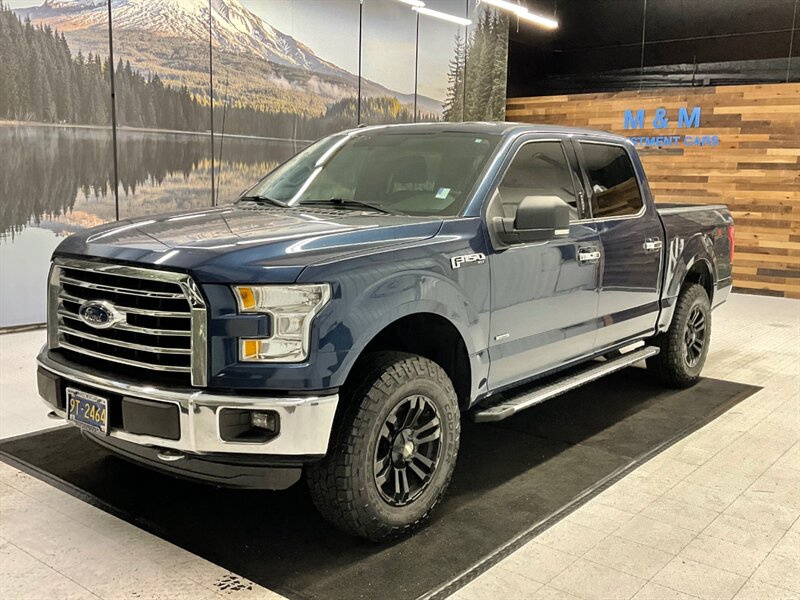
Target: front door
x,y
544,294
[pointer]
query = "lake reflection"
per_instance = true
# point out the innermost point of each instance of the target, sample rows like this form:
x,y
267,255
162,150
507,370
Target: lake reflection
x,y
60,179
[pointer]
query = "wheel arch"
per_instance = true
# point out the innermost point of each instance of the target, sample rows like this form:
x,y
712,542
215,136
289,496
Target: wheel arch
x,y
430,335
689,260
700,273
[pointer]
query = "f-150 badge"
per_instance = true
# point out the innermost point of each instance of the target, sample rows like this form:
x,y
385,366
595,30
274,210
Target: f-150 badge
x,y
467,259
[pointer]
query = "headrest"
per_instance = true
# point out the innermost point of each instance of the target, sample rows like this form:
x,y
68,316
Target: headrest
x,y
410,169
518,175
532,173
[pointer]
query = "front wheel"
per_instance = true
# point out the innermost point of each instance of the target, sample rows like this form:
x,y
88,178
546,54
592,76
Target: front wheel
x,y
684,346
393,451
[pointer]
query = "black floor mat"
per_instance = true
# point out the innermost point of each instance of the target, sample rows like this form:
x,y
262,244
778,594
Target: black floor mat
x,y
510,480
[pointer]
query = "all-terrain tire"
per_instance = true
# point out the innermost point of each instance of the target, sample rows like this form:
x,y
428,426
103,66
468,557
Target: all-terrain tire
x,y
674,366
344,485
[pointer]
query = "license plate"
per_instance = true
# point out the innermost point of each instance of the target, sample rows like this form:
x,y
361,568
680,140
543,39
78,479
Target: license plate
x,y
87,411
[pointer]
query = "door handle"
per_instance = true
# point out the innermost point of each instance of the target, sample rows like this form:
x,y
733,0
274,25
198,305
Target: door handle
x,y
588,255
652,245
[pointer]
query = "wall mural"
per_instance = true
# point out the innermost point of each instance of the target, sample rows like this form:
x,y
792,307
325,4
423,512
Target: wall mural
x,y
284,72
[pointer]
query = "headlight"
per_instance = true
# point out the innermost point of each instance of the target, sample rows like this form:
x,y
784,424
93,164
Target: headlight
x,y
292,308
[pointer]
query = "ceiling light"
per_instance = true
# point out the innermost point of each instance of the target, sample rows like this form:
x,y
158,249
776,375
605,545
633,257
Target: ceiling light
x,y
523,13
515,8
538,19
417,3
440,15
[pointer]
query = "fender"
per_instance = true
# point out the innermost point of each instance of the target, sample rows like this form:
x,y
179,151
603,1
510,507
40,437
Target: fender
x,y
374,289
682,255
416,292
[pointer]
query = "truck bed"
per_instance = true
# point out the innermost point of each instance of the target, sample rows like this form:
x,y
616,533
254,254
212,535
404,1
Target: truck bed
x,y
670,207
693,230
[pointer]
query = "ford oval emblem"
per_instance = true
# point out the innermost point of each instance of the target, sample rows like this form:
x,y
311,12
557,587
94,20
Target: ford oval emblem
x,y
100,314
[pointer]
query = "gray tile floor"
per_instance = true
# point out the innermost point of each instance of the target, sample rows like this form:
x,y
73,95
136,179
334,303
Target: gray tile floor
x,y
715,516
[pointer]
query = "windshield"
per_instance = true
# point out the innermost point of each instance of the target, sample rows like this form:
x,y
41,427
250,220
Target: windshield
x,y
386,171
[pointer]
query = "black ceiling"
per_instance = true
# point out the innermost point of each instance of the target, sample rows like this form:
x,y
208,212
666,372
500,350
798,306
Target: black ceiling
x,y
597,39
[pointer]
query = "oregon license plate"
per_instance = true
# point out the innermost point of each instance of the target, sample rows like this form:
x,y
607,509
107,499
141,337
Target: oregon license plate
x,y
87,411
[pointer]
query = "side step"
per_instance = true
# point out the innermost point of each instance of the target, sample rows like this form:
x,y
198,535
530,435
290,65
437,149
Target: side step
x,y
593,370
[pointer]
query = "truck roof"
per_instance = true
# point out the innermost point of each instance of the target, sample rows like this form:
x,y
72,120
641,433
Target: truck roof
x,y
496,128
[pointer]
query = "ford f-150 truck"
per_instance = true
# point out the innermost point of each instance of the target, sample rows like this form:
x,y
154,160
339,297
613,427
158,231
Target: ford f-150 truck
x,y
345,313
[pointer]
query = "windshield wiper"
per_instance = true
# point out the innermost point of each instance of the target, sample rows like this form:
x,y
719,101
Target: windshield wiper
x,y
349,203
262,200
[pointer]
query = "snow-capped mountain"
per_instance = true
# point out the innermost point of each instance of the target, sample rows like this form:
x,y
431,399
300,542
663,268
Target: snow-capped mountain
x,y
234,28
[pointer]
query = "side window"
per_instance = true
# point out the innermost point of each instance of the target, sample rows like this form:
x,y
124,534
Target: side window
x,y
538,169
614,189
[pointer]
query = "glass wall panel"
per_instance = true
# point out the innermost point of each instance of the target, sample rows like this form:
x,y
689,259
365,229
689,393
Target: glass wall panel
x,y
161,50
388,53
487,59
56,170
289,76
440,75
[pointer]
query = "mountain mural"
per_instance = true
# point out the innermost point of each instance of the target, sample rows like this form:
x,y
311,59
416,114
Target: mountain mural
x,y
258,66
234,28
272,93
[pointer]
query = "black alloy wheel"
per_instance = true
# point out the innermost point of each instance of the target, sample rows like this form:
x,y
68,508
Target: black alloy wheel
x,y
393,448
684,346
407,452
694,338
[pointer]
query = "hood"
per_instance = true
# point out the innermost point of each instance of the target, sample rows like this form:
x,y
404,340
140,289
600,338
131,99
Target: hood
x,y
247,242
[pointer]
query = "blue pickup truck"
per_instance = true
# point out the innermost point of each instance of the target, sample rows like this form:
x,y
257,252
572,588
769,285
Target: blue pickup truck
x,y
340,319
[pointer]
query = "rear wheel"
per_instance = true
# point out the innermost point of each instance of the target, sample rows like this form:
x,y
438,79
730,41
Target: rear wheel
x,y
684,346
393,451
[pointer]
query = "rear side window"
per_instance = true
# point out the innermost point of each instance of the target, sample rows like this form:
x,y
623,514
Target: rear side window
x,y
615,192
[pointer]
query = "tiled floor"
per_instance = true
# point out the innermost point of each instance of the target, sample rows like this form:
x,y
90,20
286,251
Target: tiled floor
x,y
20,409
715,516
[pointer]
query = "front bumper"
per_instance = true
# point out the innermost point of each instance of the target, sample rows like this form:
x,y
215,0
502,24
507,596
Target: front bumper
x,y
305,422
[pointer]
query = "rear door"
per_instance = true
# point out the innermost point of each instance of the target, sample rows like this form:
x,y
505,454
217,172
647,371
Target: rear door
x,y
631,242
544,294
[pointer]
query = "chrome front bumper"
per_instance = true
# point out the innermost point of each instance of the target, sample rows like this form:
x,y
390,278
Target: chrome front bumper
x,y
305,422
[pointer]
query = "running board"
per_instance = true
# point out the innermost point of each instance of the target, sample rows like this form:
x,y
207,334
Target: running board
x,y
594,370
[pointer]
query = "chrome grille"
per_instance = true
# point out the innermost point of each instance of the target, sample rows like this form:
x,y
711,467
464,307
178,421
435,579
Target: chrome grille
x,y
161,327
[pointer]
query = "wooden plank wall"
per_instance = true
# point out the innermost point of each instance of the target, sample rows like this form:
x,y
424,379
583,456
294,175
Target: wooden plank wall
x,y
755,170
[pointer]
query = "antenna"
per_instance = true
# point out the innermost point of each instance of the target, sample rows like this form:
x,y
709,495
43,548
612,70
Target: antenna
x,y
210,92
222,133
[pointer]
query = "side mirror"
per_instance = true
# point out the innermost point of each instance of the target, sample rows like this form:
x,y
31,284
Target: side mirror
x,y
538,218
